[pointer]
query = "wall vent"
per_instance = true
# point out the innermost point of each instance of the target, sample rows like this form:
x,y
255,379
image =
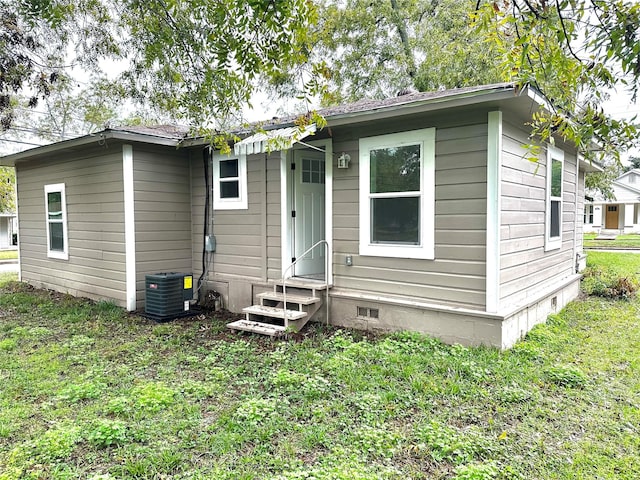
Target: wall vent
x,y
366,312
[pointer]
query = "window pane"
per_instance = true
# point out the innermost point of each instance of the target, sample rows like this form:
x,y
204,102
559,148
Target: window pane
x,y
395,169
395,220
54,203
556,178
56,236
230,189
229,168
555,219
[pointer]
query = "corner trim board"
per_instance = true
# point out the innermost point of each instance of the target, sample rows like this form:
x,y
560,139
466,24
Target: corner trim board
x,y
494,166
129,227
284,218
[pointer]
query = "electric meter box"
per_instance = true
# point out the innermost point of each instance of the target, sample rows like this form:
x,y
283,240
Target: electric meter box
x,y
168,295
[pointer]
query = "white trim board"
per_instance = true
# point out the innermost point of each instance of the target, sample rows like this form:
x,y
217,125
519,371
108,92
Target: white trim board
x,y
286,222
129,227
494,166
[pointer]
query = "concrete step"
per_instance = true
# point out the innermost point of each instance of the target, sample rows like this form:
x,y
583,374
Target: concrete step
x,y
291,298
257,327
274,312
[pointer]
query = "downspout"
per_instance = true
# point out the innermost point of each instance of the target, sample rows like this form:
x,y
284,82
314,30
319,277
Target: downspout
x,y
207,155
576,253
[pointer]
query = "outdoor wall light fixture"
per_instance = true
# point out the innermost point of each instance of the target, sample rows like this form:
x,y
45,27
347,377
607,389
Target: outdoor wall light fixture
x,y
343,160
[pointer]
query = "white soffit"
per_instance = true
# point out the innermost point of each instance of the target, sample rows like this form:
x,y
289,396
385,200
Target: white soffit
x,y
273,140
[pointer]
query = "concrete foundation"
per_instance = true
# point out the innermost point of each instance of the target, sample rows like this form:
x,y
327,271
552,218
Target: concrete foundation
x,y
451,325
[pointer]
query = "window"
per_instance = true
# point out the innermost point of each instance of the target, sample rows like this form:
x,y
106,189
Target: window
x,y
56,221
229,182
397,184
555,165
588,214
313,170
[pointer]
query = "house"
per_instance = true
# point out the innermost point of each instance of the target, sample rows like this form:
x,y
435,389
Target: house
x,y
8,227
427,214
622,213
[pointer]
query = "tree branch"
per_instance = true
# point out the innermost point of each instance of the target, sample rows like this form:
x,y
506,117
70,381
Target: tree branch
x,y
566,36
404,38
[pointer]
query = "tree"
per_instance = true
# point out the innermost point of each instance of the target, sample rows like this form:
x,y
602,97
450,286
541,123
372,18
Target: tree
x,y
377,49
197,59
30,66
200,59
7,190
634,163
575,52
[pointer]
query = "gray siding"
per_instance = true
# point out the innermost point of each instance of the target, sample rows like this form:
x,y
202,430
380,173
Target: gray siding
x,y
457,275
247,241
525,267
162,197
580,211
95,218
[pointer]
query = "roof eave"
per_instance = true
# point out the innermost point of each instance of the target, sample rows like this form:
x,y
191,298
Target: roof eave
x,y
11,160
426,105
589,166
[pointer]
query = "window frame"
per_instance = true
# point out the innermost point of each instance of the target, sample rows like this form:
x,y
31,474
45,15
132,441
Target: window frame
x,y
53,188
588,214
425,249
241,202
553,243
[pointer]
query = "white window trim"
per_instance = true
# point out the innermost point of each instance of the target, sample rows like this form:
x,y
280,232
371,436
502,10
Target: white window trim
x,y
57,187
426,139
588,213
553,243
239,203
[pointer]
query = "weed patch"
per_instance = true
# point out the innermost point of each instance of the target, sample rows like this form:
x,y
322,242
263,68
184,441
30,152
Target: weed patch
x,y
89,392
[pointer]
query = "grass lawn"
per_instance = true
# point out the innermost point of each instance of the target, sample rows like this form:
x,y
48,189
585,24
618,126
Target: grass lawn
x,y
631,240
8,254
89,392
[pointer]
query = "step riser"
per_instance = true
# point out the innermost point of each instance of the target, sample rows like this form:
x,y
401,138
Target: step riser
x,y
292,325
303,292
275,303
291,298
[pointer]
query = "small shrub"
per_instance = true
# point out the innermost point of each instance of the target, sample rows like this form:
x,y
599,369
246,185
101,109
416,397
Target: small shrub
x,y
566,376
84,391
623,287
106,433
153,397
514,394
118,406
8,344
377,441
57,443
477,471
606,283
446,443
255,410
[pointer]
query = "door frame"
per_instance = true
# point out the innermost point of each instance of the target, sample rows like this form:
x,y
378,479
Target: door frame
x,y
286,200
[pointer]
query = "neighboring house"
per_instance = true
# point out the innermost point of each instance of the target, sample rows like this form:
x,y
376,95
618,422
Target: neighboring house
x,y
8,224
439,223
622,213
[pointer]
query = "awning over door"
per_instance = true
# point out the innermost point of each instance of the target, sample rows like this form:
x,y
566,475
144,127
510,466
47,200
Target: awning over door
x,y
272,140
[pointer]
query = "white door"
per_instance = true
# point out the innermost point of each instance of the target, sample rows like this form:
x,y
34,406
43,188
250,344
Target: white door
x,y
309,182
